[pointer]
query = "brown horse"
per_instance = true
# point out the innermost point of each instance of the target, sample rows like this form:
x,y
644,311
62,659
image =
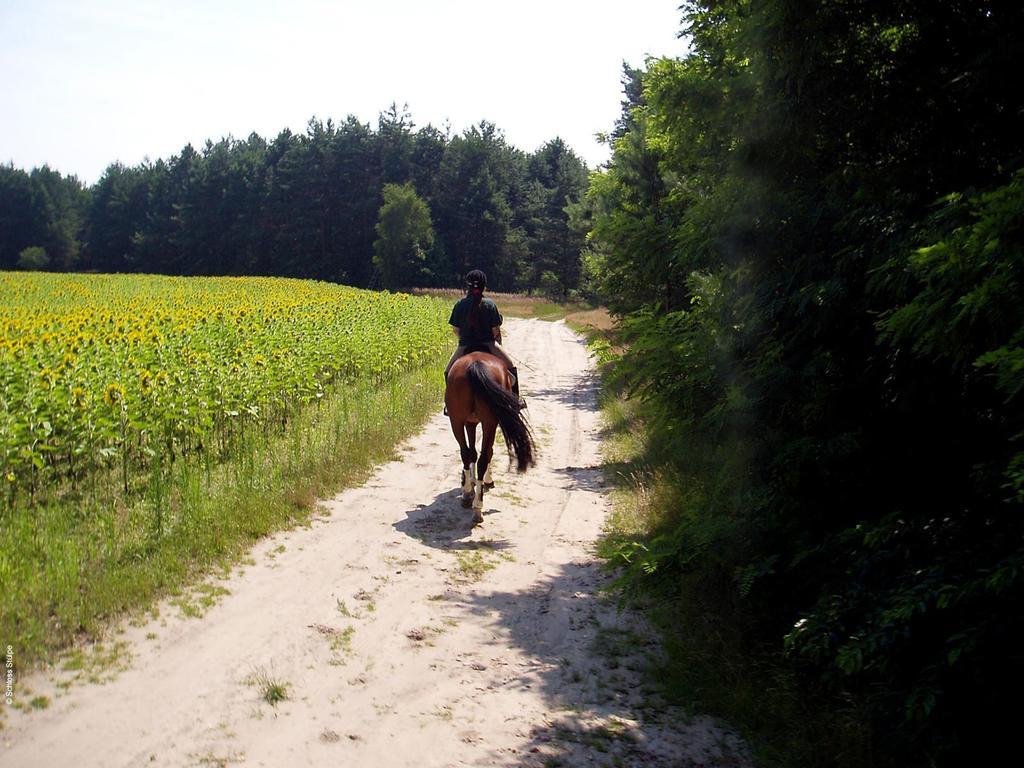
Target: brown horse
x,y
479,391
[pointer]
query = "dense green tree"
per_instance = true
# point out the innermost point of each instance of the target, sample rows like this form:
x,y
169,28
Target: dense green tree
x,y
396,144
559,179
41,209
33,258
357,189
470,202
165,238
811,229
429,145
118,211
405,233
19,225
62,201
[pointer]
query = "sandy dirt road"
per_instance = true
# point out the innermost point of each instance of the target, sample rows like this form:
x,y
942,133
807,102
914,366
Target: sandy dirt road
x,y
405,636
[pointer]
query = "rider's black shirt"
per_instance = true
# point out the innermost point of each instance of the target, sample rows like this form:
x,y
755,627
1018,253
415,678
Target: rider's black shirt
x,y
479,333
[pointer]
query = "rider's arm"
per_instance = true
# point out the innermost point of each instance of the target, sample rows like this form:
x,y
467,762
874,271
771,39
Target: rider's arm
x,y
496,333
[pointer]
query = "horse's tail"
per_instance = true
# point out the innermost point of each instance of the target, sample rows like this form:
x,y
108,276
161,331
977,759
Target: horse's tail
x,y
505,407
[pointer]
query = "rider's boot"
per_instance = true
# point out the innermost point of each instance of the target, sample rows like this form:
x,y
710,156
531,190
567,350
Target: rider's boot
x,y
515,386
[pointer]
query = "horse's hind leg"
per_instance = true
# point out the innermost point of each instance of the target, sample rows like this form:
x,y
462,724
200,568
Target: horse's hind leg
x,y
486,468
469,471
467,449
483,470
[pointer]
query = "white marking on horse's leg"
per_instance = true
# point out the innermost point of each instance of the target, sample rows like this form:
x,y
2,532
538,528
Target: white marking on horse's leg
x,y
467,479
488,480
478,503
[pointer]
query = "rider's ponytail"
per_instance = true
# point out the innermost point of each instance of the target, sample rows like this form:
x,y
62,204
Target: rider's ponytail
x,y
474,312
476,279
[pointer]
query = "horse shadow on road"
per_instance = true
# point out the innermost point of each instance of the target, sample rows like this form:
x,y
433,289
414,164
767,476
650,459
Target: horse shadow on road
x,y
590,662
446,524
596,669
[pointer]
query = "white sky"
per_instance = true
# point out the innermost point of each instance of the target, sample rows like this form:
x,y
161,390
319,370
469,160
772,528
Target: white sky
x,y
83,84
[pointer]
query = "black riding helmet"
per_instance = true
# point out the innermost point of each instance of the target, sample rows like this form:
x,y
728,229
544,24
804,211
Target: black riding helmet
x,y
476,279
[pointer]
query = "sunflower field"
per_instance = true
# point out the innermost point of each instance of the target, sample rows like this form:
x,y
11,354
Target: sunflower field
x,y
112,375
152,428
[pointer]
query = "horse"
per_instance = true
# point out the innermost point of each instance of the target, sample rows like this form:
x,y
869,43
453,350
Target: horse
x,y
479,391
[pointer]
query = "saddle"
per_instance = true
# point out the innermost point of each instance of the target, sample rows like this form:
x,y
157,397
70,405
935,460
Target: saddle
x,y
470,348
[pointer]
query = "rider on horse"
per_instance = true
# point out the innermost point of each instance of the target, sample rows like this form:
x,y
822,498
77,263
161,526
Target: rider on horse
x,y
477,322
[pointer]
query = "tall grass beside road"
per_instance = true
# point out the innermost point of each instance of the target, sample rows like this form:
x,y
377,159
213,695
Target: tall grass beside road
x,y
153,428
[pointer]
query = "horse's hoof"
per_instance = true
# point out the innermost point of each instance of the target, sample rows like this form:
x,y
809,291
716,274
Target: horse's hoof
x,y
488,486
478,515
467,501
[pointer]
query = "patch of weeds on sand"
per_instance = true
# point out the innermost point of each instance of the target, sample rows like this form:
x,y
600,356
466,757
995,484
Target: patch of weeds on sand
x,y
367,598
510,495
221,762
202,598
143,617
339,640
425,634
599,737
270,689
272,554
39,702
479,558
96,664
473,565
341,645
227,730
617,644
500,548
